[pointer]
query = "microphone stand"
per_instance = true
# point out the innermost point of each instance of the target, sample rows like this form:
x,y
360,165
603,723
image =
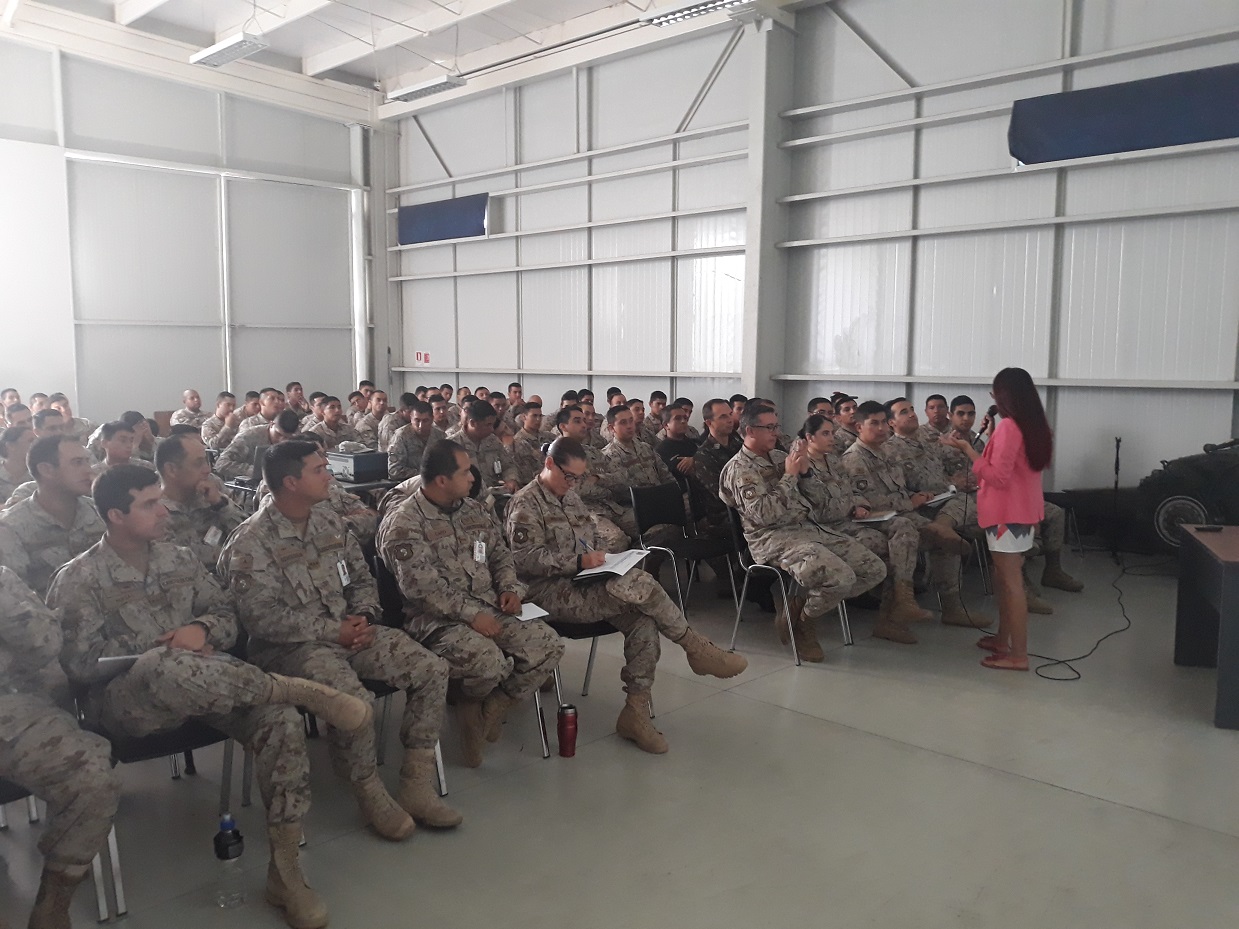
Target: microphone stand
x,y
1114,536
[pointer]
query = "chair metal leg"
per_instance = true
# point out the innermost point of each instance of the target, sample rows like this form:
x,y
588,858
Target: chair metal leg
x,y
225,779
118,883
247,779
537,708
744,589
190,768
559,686
32,809
442,775
843,621
589,668
380,743
735,597
175,762
986,583
787,613
4,818
101,892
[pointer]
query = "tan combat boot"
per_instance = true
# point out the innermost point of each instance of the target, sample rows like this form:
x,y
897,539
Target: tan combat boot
x,y
417,795
472,730
494,711
286,885
1055,576
1035,603
805,633
634,724
382,813
338,710
51,905
904,608
704,657
954,614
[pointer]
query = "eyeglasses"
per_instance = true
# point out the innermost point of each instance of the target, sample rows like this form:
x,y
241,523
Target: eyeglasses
x,y
569,478
772,428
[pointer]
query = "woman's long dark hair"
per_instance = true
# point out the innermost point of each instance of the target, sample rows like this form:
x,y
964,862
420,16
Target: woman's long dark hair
x,y
812,425
1017,397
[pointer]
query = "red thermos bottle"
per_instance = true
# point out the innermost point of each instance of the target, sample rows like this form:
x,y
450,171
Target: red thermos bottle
x,y
567,730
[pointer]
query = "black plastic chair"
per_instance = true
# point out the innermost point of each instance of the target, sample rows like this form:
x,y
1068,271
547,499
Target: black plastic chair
x,y
750,566
663,505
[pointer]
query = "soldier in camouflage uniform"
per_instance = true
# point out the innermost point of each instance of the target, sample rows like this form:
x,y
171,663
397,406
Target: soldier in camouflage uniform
x,y
43,750
846,427
553,539
396,419
408,445
191,413
367,426
74,426
881,483
762,484
237,461
219,430
476,435
271,403
835,504
634,464
45,530
131,595
199,516
527,443
462,597
15,442
719,446
920,457
602,491
309,603
333,427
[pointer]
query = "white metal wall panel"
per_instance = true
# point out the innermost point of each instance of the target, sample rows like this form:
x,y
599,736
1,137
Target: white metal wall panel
x,y
288,254
975,145
1088,421
484,185
437,259
36,349
1208,56
735,140
273,140
110,110
853,164
145,244
486,308
632,316
709,313
848,309
983,303
1117,23
637,387
719,184
1196,179
429,321
639,195
485,254
423,377
471,135
888,211
562,206
841,66
550,387
418,163
547,118
553,248
555,320
632,239
1005,199
1151,299
28,105
728,99
713,230
702,389
146,368
320,359
986,95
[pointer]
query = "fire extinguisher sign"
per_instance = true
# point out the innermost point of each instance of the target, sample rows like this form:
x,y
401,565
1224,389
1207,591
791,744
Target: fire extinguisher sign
x,y
421,358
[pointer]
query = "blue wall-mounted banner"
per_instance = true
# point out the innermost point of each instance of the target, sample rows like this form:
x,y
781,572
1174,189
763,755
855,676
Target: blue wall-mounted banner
x,y
459,218
1175,109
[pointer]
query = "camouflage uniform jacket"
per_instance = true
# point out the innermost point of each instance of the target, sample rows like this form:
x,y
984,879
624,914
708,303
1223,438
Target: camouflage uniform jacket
x,y
30,637
844,438
488,456
367,429
251,422
923,468
828,488
237,461
708,466
768,500
953,459
387,428
404,454
102,467
604,491
547,532
183,417
34,545
877,479
109,608
527,456
334,437
217,434
290,590
636,465
434,554
8,484
201,527
359,517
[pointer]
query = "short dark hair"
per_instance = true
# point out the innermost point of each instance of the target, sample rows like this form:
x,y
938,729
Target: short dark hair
x,y
422,407
184,429
752,412
812,424
43,416
670,409
442,386
270,390
287,422
707,410
316,395
961,400
612,391
9,390
361,384
480,411
172,450
889,406
815,401
737,398
613,413
251,395
564,450
658,395
934,397
355,393
108,431
57,397
154,426
565,414
532,405
585,392
438,398
37,393
407,400
290,385
440,460
131,418
569,395
683,401
9,437
17,408
115,487
46,451
870,408
515,384
330,399
224,395
285,460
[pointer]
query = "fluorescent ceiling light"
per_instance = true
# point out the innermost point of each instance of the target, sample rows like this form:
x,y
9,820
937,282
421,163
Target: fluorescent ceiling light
x,y
666,16
426,88
241,45
752,11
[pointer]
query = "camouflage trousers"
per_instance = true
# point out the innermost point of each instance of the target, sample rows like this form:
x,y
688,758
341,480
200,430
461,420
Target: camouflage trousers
x,y
43,749
829,566
635,604
895,541
168,686
610,537
395,659
944,567
517,660
1053,528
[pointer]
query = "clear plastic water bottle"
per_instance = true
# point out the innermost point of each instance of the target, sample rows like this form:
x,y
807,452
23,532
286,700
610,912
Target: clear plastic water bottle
x,y
229,845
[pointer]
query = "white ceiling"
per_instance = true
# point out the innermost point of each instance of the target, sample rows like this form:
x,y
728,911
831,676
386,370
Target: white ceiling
x,y
389,42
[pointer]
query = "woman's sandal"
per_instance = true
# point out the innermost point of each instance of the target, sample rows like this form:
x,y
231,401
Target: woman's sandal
x,y
1001,661
990,644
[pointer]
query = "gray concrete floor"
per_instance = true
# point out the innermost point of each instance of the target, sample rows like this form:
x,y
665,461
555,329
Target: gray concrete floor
x,y
891,786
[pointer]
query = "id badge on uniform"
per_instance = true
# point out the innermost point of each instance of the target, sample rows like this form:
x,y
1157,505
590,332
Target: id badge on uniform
x,y
213,536
479,551
342,570
498,467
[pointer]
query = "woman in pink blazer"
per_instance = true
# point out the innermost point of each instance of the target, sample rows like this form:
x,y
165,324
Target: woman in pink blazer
x,y
1010,504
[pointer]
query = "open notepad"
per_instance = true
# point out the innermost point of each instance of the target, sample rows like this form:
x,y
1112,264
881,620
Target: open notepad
x,y
531,611
877,517
941,498
616,565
